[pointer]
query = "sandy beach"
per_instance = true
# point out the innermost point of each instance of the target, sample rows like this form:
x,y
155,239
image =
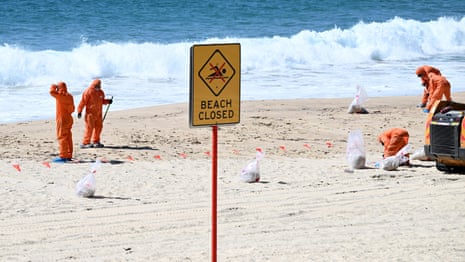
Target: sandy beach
x,y
153,198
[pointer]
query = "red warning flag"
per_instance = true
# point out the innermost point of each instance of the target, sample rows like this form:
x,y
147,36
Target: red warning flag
x,y
47,164
183,155
17,167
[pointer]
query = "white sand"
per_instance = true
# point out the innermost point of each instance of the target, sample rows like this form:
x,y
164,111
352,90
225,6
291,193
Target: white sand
x,y
153,199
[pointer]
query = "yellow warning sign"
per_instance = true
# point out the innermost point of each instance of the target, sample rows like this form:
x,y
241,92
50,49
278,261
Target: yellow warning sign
x,y
215,84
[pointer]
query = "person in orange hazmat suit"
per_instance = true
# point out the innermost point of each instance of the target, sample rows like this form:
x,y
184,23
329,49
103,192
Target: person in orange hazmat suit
x,y
92,100
64,120
436,86
393,140
420,71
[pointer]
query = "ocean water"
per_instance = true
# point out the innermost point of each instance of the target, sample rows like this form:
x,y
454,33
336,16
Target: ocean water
x,y
289,49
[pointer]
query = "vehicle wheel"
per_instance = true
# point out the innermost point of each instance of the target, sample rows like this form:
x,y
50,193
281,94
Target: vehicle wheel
x,y
450,169
442,167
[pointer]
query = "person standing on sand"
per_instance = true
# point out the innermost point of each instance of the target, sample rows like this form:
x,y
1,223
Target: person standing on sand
x,y
64,120
93,99
436,86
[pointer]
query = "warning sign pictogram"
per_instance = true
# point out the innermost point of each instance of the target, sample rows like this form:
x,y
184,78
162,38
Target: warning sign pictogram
x,y
215,84
217,72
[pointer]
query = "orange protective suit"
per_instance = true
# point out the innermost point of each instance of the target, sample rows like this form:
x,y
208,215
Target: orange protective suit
x,y
64,119
393,140
436,85
426,69
93,99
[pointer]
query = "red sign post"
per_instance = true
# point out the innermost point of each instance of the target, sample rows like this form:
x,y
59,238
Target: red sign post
x,y
214,100
214,190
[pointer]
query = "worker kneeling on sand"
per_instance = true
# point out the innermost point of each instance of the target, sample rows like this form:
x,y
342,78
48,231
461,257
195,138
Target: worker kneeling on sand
x,y
393,140
93,99
64,120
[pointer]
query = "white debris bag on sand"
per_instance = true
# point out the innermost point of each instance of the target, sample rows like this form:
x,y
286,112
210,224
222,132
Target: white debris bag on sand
x,y
393,162
390,163
355,152
86,186
360,98
419,154
251,172
404,154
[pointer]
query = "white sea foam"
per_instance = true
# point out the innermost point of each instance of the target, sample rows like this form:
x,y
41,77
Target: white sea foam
x,y
381,57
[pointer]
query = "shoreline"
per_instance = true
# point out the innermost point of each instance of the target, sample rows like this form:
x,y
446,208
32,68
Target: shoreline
x,y
144,128
52,118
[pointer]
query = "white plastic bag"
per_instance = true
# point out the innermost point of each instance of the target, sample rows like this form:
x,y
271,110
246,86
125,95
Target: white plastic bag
x,y
393,162
86,186
390,163
360,98
251,172
403,154
419,154
355,152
